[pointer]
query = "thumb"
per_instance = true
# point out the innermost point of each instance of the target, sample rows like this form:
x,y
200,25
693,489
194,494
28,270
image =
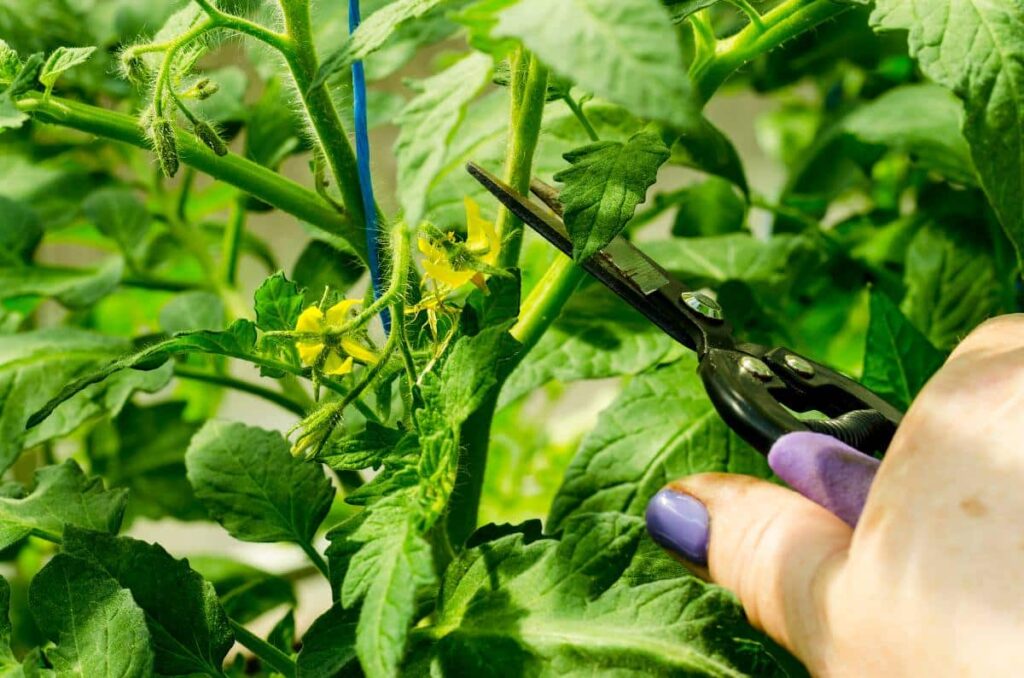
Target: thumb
x,y
776,550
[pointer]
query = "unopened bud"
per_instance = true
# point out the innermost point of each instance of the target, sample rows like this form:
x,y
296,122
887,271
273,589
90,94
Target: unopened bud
x,y
134,68
210,138
166,146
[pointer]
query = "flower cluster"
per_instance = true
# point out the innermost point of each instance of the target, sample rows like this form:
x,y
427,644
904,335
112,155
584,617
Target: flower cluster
x,y
333,354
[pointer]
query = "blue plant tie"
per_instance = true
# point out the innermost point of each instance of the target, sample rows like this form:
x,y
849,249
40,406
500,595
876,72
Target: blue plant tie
x,y
363,161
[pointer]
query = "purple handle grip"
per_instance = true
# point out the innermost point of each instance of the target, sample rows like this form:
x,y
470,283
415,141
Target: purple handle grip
x,y
826,471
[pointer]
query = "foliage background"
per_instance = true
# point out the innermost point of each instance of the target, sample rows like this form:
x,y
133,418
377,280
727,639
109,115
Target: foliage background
x,y
836,128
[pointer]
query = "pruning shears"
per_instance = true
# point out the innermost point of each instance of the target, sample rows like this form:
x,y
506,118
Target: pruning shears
x,y
757,390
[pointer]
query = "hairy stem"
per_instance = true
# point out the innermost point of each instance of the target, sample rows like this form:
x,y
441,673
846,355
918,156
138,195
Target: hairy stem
x,y
245,175
205,376
331,134
784,22
524,133
528,99
270,655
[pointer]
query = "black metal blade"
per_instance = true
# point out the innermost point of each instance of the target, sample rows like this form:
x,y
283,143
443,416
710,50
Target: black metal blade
x,y
623,268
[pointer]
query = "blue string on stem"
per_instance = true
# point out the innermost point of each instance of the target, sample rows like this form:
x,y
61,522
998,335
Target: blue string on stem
x,y
363,160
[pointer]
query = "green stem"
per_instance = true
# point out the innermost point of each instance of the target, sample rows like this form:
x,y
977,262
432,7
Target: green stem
x,y
752,14
546,300
222,19
280,399
254,179
784,22
269,654
524,133
577,110
233,232
528,99
317,560
331,134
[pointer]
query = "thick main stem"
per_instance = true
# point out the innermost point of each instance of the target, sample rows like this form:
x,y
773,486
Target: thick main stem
x,y
337,151
527,114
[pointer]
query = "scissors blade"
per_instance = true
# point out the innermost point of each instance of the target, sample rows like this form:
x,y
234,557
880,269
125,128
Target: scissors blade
x,y
623,268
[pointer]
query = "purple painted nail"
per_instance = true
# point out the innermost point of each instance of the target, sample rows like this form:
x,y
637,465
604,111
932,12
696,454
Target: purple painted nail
x,y
679,523
826,471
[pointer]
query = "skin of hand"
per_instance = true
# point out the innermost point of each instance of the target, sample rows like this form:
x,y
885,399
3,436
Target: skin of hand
x,y
930,582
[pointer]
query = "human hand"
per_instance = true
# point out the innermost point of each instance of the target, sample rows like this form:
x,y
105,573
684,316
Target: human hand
x,y
931,580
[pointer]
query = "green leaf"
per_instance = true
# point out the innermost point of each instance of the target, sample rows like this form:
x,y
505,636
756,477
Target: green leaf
x,y
480,19
279,302
428,124
20,232
252,485
952,285
151,467
393,563
61,60
328,646
708,209
704,147
120,215
99,630
237,341
321,265
74,288
597,335
898,359
62,495
661,427
603,187
711,261
973,48
10,64
246,592
274,131
602,601
372,34
11,117
35,368
191,312
8,662
623,50
923,120
190,632
365,449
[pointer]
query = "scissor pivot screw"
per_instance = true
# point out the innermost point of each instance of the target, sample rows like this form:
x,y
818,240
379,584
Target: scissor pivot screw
x,y
756,368
800,366
703,304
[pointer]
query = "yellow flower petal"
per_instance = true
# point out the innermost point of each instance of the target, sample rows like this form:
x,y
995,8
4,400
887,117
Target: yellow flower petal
x,y
443,273
309,352
358,351
311,320
336,366
482,235
340,313
429,250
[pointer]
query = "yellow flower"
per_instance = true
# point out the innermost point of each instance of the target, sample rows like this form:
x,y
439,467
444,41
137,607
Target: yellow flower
x,y
482,244
341,358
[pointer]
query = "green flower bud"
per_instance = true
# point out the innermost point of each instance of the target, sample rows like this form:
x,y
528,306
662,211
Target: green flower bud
x,y
166,146
134,68
210,138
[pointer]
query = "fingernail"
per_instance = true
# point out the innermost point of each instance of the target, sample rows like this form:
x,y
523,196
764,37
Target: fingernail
x,y
826,471
679,523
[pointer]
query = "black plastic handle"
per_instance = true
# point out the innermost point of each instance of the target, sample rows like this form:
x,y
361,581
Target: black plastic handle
x,y
761,405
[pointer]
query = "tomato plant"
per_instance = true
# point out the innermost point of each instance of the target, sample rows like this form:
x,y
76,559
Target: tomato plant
x,y
158,162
